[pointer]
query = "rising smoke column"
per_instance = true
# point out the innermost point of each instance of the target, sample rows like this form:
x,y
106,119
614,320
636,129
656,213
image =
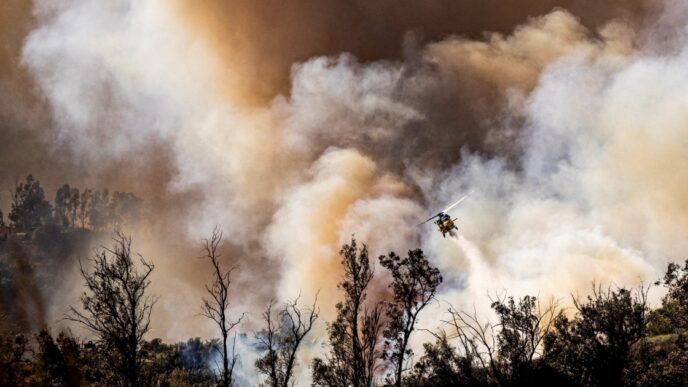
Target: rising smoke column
x,y
570,131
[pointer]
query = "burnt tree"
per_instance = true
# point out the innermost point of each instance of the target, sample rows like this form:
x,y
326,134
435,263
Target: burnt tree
x,y
216,306
281,338
115,305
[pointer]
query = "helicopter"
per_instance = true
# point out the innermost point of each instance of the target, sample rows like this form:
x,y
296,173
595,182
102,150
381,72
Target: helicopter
x,y
444,222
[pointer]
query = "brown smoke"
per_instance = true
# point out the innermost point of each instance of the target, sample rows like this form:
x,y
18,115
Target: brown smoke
x,y
260,40
296,124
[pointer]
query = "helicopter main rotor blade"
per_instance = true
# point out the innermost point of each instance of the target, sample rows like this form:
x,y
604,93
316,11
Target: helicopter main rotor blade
x,y
459,201
429,219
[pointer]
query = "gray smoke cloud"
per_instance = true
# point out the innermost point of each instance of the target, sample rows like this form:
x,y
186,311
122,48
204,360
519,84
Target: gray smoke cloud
x,y
571,129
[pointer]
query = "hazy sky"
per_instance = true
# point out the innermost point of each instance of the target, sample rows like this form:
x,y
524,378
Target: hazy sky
x,y
295,125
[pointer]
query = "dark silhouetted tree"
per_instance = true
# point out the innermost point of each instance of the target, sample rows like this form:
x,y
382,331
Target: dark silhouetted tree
x,y
593,348
478,342
71,359
14,368
29,206
502,353
658,361
49,362
98,210
74,204
355,334
414,284
64,205
83,212
672,316
280,340
662,358
67,202
444,365
216,307
523,325
115,305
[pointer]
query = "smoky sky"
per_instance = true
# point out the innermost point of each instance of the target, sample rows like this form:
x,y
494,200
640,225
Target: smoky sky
x,y
267,39
270,36
295,125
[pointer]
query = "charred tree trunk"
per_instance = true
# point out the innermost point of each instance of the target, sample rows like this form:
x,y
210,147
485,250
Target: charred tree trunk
x,y
216,307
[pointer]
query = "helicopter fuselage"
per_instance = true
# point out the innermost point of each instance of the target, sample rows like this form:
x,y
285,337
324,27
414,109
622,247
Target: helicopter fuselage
x,y
446,224
443,221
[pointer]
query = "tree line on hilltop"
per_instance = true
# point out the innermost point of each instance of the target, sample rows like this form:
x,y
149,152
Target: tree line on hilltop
x,y
72,208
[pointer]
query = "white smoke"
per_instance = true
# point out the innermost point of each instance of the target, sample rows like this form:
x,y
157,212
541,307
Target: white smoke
x,y
599,120
600,194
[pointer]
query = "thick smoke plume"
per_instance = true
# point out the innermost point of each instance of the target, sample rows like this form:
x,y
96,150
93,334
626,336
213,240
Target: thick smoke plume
x,y
296,127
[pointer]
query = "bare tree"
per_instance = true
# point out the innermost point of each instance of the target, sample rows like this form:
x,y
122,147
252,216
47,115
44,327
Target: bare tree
x,y
216,307
505,350
115,304
477,339
524,324
281,339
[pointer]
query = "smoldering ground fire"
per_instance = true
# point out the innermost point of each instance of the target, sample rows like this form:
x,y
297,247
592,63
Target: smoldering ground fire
x,y
296,126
